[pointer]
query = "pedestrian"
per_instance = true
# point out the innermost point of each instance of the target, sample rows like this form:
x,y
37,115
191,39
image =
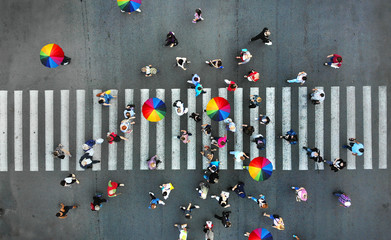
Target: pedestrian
x,y
208,230
206,128
290,136
126,125
153,162
247,129
187,210
264,36
224,219
301,194
295,237
66,61
252,76
154,201
239,156
184,137
60,152
86,161
112,137
105,98
232,86
208,152
222,199
314,154
129,111
199,89
219,141
182,231
149,70
230,125
255,101
96,204
89,144
216,63
355,147
239,189
166,189
112,188
195,116
301,78
197,16
278,223
212,177
195,79
180,108
335,61
317,96
245,56
203,189
263,119
343,198
64,210
337,164
261,201
181,61
260,141
213,166
171,40
70,179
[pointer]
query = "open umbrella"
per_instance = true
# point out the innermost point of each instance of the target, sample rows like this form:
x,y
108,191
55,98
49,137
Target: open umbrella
x,y
51,55
218,108
260,234
129,5
154,109
260,168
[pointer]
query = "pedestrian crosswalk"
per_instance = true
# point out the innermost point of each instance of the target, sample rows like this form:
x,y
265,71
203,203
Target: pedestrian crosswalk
x,y
30,132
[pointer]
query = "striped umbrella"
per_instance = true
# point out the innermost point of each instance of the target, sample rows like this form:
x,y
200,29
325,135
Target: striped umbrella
x,y
129,5
51,55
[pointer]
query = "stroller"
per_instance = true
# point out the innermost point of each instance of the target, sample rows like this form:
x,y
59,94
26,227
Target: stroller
x,y
203,190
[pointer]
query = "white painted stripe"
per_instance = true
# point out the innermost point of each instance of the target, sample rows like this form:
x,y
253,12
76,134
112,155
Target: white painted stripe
x,y
222,132
96,130
191,127
18,131
303,99
238,119
160,133
128,145
80,125
113,123
254,113
319,130
3,131
205,120
65,127
175,131
34,130
271,127
286,126
350,123
49,131
144,134
334,124
383,127
367,124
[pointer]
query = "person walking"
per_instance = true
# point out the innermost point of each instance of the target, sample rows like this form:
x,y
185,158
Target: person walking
x,y
60,152
199,89
239,156
213,166
355,147
230,125
224,219
343,198
184,137
301,194
261,201
337,164
96,204
129,111
105,98
260,141
203,189
208,230
263,119
206,128
197,16
314,154
255,101
64,210
149,71
195,79
112,188
154,201
66,61
208,152
219,141
166,189
212,176
239,189
86,161
180,108
112,137
252,76
171,40
216,63
222,199
317,96
295,237
278,222
264,36
245,56
187,210
69,180
232,86
301,78
248,129
182,231
180,62
335,61
195,116
153,162
290,136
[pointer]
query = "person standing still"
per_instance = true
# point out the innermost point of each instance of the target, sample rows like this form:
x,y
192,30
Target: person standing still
x,y
264,36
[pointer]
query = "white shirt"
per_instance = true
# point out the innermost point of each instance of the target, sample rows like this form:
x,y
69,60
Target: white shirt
x,y
316,95
182,109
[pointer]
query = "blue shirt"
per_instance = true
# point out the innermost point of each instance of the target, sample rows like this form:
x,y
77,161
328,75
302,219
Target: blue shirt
x,y
356,147
154,201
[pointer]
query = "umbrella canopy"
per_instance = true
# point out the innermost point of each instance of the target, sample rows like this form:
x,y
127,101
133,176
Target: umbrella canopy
x,y
129,5
218,108
260,168
154,109
51,55
260,234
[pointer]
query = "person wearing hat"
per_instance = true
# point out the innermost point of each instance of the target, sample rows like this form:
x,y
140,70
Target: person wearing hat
x,y
252,76
278,223
69,180
343,198
245,56
355,147
166,189
261,201
182,231
317,96
154,201
255,101
187,210
60,152
97,202
112,188
301,194
153,162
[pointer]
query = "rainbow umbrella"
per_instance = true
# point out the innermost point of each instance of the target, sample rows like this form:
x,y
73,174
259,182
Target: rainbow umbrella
x,y
218,108
260,168
154,109
129,5
51,55
260,234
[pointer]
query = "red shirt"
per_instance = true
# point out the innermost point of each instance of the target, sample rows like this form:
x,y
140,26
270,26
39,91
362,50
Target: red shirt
x,y
335,56
252,76
230,88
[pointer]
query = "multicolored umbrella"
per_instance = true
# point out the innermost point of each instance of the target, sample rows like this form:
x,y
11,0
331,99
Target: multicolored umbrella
x,y
218,108
260,168
129,5
51,55
260,234
154,109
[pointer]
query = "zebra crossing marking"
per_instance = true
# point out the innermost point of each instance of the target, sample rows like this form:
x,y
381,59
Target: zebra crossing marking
x,y
303,99
175,130
383,127
80,125
205,120
113,127
18,131
222,132
144,132
367,125
319,130
334,124
160,133
191,127
128,145
254,114
350,123
286,126
271,127
3,131
238,119
96,130
34,130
